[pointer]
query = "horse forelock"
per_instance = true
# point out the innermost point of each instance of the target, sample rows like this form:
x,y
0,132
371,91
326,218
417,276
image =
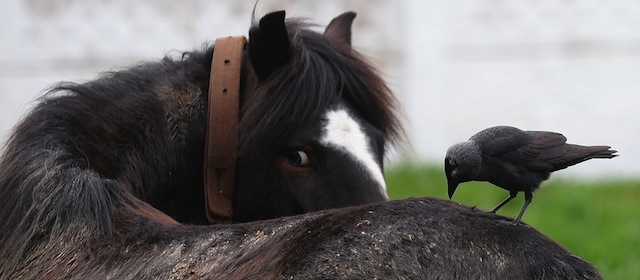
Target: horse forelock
x,y
320,74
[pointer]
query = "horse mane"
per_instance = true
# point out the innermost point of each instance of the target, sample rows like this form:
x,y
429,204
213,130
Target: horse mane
x,y
320,72
58,185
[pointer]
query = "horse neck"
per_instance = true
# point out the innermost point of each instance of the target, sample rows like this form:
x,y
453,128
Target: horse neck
x,y
179,187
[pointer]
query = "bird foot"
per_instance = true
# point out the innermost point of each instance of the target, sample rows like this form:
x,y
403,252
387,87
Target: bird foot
x,y
517,221
512,223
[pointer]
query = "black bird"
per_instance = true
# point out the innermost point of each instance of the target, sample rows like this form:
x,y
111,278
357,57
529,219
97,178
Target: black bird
x,y
515,160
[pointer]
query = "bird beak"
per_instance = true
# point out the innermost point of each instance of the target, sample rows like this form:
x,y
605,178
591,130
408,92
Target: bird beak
x,y
452,184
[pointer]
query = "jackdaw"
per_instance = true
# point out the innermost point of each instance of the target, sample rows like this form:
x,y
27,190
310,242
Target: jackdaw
x,y
515,160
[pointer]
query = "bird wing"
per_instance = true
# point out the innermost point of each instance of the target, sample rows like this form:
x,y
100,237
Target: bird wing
x,y
500,140
540,153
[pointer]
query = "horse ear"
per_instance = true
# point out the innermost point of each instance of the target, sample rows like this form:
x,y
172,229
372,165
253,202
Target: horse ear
x,y
340,27
269,46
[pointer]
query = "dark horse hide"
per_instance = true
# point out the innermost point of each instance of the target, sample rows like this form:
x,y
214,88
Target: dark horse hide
x,y
104,180
408,239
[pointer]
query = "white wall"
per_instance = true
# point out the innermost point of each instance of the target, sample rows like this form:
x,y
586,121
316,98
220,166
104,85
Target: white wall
x,y
457,66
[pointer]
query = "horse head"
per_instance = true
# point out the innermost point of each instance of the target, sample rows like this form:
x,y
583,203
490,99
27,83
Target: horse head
x,y
315,122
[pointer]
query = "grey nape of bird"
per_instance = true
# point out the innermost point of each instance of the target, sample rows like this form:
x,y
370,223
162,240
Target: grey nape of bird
x,y
515,160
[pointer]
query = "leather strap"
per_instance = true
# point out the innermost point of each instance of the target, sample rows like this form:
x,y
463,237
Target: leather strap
x,y
222,132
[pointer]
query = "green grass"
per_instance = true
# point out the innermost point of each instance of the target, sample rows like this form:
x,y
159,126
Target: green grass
x,y
596,220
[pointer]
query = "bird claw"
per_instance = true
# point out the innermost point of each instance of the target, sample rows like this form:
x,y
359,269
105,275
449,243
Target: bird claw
x,y
507,222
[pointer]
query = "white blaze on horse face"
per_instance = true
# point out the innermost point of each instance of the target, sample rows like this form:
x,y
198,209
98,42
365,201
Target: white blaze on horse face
x,y
343,132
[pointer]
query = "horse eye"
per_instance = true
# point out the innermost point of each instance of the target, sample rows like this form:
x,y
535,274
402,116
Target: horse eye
x,y
298,158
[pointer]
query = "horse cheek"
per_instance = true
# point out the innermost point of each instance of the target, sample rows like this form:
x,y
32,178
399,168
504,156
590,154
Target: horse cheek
x,y
299,182
266,191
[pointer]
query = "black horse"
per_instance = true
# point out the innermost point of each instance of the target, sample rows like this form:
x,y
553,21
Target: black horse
x,y
99,180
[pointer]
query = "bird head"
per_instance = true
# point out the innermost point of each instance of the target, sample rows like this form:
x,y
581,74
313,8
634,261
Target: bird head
x,y
461,164
451,171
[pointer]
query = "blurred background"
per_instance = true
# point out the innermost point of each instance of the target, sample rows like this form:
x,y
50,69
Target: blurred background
x,y
456,66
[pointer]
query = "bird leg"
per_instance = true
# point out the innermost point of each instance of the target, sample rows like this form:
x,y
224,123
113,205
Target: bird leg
x,y
528,196
512,195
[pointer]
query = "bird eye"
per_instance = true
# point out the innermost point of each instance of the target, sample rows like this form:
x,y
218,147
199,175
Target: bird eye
x,y
298,158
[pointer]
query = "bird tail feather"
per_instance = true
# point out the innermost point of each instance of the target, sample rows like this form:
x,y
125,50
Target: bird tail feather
x,y
576,154
603,152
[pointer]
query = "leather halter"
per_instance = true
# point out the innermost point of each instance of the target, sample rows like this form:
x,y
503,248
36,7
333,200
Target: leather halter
x,y
222,128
